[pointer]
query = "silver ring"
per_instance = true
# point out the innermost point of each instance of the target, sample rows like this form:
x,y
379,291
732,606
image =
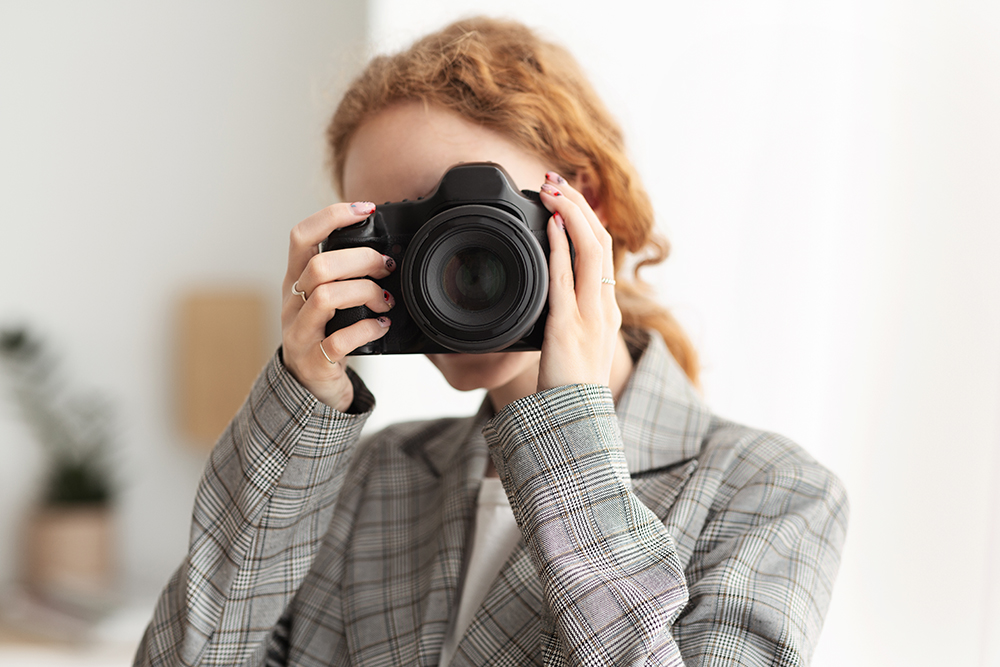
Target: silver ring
x,y
608,281
323,350
297,292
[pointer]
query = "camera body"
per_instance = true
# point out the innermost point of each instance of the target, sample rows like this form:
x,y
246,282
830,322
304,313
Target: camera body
x,y
472,266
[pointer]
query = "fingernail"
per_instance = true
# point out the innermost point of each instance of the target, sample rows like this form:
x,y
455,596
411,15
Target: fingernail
x,y
362,207
551,189
559,221
390,263
388,298
383,322
555,178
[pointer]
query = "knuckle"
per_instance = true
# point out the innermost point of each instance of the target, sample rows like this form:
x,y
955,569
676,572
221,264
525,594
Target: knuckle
x,y
565,280
324,296
311,272
295,237
336,345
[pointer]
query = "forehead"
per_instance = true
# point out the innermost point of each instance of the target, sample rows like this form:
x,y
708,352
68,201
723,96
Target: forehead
x,y
402,152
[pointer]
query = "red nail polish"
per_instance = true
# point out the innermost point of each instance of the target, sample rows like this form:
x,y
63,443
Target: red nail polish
x,y
555,178
559,221
550,189
388,298
362,207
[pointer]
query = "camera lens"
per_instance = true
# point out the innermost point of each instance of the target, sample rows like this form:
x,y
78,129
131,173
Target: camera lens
x,y
474,279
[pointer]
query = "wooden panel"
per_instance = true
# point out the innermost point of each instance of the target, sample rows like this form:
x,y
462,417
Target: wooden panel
x,y
221,351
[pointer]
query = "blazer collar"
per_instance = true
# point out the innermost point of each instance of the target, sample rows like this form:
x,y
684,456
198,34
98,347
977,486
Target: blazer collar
x,y
662,418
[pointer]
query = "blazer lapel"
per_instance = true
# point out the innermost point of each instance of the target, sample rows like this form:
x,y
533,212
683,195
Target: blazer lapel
x,y
405,557
504,630
460,484
659,490
663,421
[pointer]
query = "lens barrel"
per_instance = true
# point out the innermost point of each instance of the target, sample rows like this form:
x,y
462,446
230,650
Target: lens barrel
x,y
474,279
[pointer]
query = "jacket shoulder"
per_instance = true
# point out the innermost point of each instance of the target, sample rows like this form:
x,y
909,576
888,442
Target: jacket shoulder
x,y
747,457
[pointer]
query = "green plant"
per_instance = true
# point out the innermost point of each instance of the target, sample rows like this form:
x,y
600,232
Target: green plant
x,y
75,430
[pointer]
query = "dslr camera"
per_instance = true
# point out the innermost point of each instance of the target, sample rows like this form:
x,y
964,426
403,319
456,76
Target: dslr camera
x,y
472,266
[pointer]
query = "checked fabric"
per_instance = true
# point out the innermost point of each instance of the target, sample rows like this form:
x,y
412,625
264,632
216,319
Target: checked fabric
x,y
653,533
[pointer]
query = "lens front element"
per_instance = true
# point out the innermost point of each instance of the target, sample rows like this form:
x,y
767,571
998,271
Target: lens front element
x,y
474,279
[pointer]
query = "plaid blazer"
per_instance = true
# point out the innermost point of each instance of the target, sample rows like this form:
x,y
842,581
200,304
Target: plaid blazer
x,y
654,533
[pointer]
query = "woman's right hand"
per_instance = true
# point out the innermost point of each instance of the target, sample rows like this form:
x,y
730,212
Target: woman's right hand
x,y
331,281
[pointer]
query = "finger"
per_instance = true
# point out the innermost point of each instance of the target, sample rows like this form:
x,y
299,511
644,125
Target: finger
x,y
574,196
310,323
334,266
308,234
562,294
600,231
589,252
344,341
342,264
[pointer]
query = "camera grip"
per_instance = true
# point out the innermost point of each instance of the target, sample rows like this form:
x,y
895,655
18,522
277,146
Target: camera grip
x,y
348,316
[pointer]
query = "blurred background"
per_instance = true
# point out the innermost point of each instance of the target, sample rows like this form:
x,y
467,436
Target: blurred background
x,y
828,173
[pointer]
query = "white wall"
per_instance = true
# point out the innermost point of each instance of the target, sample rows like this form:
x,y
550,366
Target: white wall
x,y
148,148
828,174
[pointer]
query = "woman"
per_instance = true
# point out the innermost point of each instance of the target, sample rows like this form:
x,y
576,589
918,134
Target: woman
x,y
641,529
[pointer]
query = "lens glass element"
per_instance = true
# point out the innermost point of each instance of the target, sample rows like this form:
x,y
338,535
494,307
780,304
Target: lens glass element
x,y
474,279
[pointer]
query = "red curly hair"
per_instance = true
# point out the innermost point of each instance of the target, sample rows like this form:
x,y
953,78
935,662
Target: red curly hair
x,y
501,75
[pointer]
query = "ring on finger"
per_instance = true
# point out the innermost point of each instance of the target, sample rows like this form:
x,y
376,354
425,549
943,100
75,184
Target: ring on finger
x,y
323,350
608,281
297,292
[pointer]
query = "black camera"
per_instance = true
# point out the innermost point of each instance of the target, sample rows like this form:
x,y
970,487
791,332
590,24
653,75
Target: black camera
x,y
472,266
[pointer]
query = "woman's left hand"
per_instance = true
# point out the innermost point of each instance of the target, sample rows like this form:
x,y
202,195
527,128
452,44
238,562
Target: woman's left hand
x,y
581,333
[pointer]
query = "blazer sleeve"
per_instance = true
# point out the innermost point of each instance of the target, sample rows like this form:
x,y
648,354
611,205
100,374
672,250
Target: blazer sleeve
x,y
265,498
761,574
613,581
610,570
